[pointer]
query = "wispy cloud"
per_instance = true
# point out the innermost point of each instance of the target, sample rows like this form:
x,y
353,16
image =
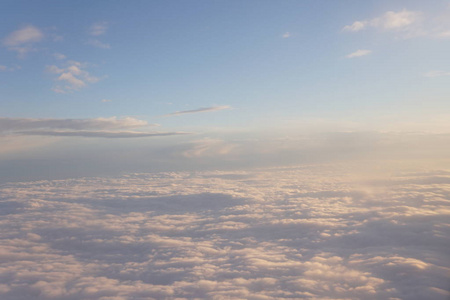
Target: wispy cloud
x,y
100,134
73,76
388,21
436,73
407,24
198,110
98,28
286,35
359,53
99,127
21,40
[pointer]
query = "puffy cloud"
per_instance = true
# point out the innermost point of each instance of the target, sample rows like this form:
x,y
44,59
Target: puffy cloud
x,y
307,232
22,39
359,53
73,75
198,110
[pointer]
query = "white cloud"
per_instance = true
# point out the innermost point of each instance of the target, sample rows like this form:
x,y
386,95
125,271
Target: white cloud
x,y
308,232
359,53
98,28
106,100
22,39
286,35
356,26
73,76
436,73
199,110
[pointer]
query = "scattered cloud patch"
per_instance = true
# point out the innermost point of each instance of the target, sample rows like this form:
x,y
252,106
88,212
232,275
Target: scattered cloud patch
x,y
199,110
98,28
389,21
286,35
72,76
288,233
359,53
106,100
21,40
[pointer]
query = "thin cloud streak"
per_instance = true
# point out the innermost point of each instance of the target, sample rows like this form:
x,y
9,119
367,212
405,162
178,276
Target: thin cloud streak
x,y
100,134
100,127
198,110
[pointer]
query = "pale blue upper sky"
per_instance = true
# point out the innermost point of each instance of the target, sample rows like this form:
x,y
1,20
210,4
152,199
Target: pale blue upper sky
x,y
251,64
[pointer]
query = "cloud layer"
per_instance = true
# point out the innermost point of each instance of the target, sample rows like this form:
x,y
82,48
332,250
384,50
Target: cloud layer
x,y
310,232
100,127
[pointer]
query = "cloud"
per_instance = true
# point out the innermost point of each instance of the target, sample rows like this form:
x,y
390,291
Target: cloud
x,y
285,233
359,53
436,74
100,127
286,35
98,28
59,56
22,39
389,21
73,76
106,100
199,110
103,134
96,43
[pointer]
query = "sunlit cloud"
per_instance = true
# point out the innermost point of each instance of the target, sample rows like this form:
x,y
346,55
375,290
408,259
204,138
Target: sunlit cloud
x,y
21,40
359,53
299,233
199,110
389,21
73,76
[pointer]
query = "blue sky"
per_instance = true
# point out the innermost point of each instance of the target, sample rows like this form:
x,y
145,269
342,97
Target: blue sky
x,y
240,70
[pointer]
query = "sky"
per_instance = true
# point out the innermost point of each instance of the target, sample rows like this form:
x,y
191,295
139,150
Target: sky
x,y
131,81
224,149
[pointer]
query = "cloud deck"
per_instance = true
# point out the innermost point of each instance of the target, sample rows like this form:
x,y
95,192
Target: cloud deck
x,y
268,234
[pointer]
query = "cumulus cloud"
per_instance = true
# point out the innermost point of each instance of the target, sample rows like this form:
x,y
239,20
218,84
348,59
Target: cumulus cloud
x,y
72,76
22,39
359,53
308,232
99,127
199,110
